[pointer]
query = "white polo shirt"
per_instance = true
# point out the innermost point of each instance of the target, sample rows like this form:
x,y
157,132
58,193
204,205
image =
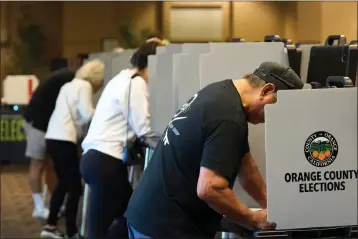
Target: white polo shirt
x,y
107,132
73,110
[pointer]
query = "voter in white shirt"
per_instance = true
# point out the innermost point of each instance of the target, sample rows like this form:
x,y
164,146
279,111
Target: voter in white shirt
x,y
102,164
73,110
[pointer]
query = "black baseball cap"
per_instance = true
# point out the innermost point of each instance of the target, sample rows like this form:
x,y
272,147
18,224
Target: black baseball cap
x,y
284,78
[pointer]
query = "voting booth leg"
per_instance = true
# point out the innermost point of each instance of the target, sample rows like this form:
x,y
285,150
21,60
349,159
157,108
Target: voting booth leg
x,y
224,235
131,175
84,211
45,193
148,155
147,150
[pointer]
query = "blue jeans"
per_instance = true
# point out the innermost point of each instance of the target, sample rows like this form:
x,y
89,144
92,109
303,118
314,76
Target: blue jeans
x,y
134,234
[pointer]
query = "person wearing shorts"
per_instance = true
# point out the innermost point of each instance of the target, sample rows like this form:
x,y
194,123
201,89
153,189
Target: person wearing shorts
x,y
186,188
37,115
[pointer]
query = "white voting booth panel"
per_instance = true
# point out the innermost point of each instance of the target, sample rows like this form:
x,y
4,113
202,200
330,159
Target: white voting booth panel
x,y
233,61
18,89
161,49
152,78
121,62
153,84
311,158
162,88
186,71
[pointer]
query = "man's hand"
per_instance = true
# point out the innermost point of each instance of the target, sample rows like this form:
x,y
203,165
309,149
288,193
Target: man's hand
x,y
260,221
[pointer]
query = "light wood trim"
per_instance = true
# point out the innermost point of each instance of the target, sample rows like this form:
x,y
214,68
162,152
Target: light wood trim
x,y
169,5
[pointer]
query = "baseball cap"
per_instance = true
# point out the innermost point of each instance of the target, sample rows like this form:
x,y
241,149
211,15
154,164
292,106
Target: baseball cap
x,y
284,78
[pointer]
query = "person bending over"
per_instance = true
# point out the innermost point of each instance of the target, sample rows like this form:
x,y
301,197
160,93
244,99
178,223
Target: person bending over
x,y
187,187
73,111
37,115
122,113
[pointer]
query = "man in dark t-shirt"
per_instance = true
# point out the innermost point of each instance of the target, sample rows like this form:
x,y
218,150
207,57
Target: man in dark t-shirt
x,y
187,186
37,115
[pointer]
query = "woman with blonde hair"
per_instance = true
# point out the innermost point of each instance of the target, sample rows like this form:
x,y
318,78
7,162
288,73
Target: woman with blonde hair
x,y
73,111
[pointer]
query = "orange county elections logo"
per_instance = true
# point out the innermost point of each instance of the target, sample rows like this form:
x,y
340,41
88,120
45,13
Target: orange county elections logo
x,y
321,149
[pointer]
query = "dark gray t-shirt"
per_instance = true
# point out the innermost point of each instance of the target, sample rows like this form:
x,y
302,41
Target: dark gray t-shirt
x,y
210,131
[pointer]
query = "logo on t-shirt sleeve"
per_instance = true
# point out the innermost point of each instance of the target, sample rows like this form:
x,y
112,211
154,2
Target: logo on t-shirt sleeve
x,y
185,108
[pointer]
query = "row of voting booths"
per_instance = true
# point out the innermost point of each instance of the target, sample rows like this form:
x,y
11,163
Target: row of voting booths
x,y
306,151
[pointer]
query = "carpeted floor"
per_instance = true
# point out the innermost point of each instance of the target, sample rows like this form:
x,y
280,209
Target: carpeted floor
x,y
16,205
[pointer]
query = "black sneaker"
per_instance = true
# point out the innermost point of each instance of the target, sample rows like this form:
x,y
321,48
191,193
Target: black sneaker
x,y
51,233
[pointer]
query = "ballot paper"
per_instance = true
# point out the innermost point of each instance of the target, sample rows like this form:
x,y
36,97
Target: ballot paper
x,y
256,209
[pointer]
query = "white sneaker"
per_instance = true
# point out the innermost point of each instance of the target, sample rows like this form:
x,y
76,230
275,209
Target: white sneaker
x,y
41,214
51,233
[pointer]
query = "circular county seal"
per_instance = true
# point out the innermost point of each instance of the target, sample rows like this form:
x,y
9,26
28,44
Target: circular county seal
x,y
321,149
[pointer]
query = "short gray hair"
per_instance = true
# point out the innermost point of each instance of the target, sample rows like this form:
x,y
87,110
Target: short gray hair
x,y
92,71
254,80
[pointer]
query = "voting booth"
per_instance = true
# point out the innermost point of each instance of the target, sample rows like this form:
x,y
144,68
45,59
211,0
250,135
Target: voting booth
x,y
311,158
177,72
311,165
219,61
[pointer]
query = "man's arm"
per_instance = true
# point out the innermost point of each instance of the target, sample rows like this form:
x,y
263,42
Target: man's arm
x,y
214,190
251,180
224,147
